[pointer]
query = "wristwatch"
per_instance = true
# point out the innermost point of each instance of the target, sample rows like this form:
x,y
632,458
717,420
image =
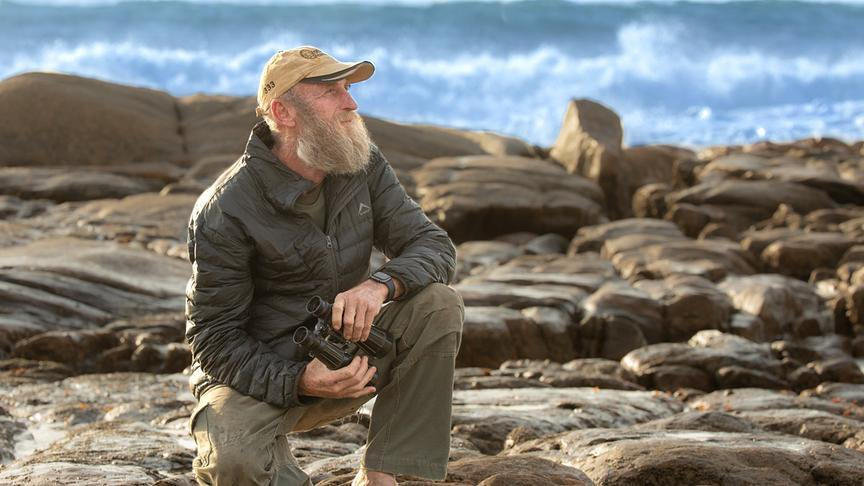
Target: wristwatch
x,y
387,280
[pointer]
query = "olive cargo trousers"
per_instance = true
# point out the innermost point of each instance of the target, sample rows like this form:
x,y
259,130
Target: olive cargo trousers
x,y
241,441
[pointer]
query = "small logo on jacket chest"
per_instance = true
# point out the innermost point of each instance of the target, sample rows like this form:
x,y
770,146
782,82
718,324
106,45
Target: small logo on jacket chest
x,y
364,209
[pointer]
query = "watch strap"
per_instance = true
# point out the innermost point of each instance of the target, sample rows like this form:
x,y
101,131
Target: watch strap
x,y
387,280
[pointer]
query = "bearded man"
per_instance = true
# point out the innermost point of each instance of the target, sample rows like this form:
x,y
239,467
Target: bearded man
x,y
297,216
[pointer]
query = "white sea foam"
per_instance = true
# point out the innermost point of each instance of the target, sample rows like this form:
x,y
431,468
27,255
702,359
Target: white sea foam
x,y
474,89
672,78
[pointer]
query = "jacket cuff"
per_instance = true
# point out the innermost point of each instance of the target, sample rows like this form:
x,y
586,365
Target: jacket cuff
x,y
409,286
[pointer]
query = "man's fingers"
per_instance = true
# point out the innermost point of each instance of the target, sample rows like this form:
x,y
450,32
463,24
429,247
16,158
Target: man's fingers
x,y
349,318
370,321
338,309
359,321
365,391
346,373
369,374
362,385
350,381
352,373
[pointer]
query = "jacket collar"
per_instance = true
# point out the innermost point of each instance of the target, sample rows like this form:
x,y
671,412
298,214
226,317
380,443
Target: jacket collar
x,y
280,185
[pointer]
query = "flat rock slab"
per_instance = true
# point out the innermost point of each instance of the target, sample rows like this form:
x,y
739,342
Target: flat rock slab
x,y
157,222
690,304
133,444
105,426
586,271
799,255
514,471
475,257
592,238
744,203
488,417
848,392
628,457
709,360
563,408
710,259
785,305
201,175
62,184
757,399
12,207
825,176
479,197
72,474
563,297
69,283
55,401
619,318
811,424
492,335
583,372
341,469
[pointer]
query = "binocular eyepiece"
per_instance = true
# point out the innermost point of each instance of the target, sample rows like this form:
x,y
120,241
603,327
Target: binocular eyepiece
x,y
319,307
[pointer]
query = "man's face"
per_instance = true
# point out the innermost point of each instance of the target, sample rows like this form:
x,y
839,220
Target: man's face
x,y
331,136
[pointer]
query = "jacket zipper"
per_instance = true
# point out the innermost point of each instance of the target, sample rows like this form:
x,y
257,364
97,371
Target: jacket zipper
x,y
334,264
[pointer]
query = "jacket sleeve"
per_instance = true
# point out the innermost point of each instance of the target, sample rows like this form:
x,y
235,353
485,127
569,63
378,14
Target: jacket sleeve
x,y
420,252
218,299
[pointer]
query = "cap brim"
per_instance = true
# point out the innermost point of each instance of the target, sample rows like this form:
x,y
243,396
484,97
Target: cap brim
x,y
354,74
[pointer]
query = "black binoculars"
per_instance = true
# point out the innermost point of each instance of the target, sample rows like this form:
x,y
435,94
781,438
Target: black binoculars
x,y
324,343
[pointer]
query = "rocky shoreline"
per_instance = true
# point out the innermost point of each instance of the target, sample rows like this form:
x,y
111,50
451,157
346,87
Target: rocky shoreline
x,y
634,316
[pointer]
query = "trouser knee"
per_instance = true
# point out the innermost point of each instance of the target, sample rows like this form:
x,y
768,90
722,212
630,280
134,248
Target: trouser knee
x,y
437,313
440,303
437,295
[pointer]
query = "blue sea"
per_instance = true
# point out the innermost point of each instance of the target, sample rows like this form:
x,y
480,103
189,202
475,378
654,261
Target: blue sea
x,y
687,73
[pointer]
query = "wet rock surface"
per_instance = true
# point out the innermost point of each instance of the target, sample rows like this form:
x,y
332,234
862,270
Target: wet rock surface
x,y
65,283
717,338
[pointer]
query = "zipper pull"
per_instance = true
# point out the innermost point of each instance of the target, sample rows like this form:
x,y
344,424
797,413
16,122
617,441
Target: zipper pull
x,y
329,242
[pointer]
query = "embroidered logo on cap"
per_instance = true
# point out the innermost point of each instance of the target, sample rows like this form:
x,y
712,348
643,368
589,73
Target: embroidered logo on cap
x,y
364,209
311,53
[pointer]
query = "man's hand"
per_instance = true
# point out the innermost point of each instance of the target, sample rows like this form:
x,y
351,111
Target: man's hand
x,y
355,309
349,382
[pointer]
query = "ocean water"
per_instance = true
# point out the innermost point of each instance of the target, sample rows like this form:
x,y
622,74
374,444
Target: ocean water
x,y
688,73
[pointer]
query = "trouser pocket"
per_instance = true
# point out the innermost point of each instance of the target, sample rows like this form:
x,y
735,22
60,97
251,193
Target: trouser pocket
x,y
198,429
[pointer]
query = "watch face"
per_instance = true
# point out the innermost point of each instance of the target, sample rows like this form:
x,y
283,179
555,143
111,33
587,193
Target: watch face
x,y
381,277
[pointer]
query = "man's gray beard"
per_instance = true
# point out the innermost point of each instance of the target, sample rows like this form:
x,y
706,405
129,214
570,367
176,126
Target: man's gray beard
x,y
327,147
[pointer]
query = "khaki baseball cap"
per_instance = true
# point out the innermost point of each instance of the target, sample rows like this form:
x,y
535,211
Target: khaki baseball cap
x,y
306,63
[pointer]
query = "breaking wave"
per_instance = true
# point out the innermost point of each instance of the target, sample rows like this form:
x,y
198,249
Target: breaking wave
x,y
674,73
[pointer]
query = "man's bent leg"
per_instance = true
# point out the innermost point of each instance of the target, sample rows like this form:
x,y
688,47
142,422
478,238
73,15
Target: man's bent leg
x,y
239,442
410,429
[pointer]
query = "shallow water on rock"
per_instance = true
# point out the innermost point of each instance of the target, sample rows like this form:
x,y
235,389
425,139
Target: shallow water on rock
x,y
39,435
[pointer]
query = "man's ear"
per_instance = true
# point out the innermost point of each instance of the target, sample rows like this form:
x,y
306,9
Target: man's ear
x,y
283,113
